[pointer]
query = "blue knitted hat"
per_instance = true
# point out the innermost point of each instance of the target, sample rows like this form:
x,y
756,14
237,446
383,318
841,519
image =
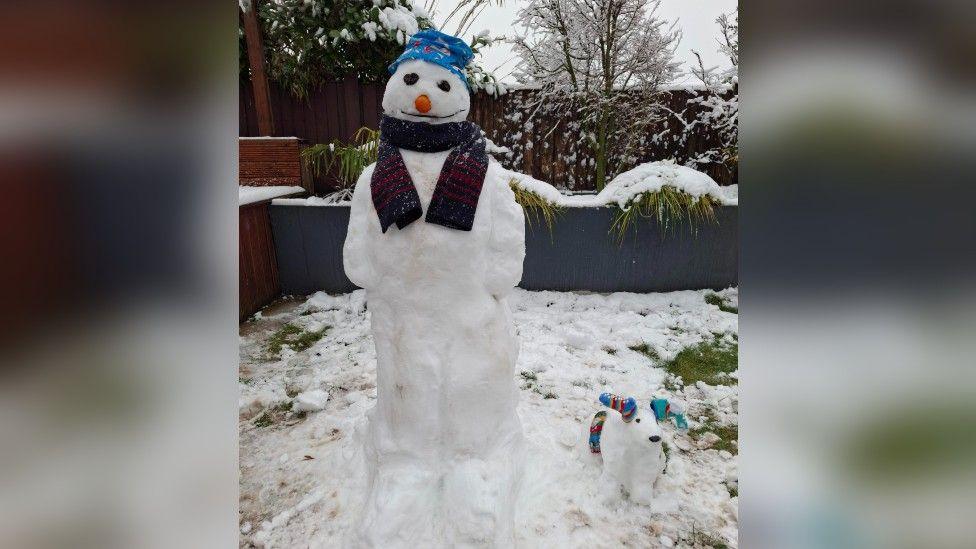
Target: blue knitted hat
x,y
438,48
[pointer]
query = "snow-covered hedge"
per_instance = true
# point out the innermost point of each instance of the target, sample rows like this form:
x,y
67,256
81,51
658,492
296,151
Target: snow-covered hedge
x,y
629,186
309,41
666,191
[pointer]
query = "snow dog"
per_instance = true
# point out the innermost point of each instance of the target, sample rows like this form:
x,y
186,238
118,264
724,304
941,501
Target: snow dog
x,y
631,447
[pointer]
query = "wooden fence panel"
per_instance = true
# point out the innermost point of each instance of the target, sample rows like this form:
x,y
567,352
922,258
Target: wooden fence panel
x,y
264,162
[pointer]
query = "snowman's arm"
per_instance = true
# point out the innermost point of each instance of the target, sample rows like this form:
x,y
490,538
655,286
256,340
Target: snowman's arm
x,y
507,242
355,256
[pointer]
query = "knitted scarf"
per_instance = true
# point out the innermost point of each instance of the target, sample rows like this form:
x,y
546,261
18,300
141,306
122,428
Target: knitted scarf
x,y
455,197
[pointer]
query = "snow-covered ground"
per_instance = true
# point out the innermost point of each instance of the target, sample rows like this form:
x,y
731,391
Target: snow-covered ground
x,y
302,481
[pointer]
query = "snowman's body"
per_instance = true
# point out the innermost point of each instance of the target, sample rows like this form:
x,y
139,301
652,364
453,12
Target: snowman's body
x,y
444,443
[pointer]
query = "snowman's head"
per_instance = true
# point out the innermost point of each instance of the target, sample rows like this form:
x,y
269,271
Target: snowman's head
x,y
425,92
428,83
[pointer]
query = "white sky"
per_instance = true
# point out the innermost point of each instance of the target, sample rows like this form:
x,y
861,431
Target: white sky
x,y
695,19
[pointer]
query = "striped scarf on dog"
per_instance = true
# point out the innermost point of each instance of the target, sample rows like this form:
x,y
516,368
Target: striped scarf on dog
x,y
455,197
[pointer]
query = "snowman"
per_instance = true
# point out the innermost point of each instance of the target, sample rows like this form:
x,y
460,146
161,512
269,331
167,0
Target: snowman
x,y
437,241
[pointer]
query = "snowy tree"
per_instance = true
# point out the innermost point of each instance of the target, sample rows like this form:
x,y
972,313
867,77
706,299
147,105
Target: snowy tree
x,y
715,113
605,61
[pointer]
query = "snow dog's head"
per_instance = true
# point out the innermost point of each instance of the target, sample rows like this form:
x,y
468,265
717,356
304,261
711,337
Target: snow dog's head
x,y
427,82
637,431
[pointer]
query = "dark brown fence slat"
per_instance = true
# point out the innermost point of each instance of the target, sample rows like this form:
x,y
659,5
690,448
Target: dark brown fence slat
x,y
270,162
351,92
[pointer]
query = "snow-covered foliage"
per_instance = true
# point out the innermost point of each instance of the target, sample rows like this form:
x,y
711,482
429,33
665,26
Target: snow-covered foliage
x,y
601,61
622,190
309,41
716,111
302,482
630,185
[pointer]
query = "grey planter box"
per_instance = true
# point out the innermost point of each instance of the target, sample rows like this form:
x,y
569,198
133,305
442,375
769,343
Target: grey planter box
x,y
580,254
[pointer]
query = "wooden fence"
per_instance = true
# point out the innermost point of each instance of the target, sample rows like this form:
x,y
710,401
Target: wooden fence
x,y
337,109
333,111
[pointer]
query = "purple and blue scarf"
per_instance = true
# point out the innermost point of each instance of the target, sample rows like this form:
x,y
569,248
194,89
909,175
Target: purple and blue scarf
x,y
455,197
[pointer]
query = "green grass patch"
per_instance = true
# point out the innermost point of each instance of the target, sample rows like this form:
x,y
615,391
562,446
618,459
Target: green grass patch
x,y
528,376
263,420
709,361
715,299
276,413
729,434
609,350
705,539
672,383
282,407
549,395
294,337
646,350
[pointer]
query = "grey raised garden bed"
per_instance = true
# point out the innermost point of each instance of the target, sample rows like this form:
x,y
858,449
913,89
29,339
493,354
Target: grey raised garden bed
x,y
581,252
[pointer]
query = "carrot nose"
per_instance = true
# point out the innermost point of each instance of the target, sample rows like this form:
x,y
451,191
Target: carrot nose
x,y
422,103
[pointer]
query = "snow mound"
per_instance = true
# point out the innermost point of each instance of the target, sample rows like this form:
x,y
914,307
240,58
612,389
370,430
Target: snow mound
x,y
351,303
310,401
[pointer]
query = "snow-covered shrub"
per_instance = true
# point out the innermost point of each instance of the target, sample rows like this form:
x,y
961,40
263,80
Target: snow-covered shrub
x,y
665,191
536,206
310,41
348,160
714,113
671,193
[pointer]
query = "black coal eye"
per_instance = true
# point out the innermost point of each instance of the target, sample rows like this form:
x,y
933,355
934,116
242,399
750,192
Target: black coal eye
x,y
411,78
637,420
444,85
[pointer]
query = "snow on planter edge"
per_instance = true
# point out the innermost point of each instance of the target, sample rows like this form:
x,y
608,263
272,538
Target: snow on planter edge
x,y
249,195
648,177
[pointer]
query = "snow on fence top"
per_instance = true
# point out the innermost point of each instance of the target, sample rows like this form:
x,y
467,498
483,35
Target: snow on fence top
x,y
623,189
